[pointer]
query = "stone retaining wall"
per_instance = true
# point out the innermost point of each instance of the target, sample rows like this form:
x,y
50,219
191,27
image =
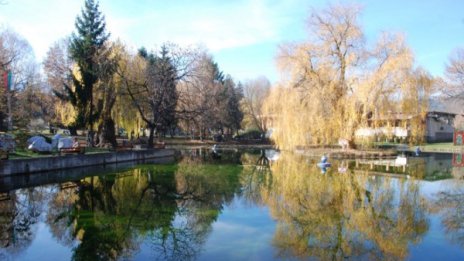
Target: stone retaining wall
x,y
24,166
13,182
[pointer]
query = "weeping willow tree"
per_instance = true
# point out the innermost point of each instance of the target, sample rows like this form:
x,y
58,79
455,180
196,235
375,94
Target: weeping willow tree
x,y
126,115
111,96
415,101
334,83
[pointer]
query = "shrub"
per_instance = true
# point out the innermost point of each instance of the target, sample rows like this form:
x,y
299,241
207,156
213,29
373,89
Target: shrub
x,y
251,134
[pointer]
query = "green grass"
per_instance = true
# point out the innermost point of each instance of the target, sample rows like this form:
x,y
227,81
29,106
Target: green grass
x,y
388,143
440,146
25,154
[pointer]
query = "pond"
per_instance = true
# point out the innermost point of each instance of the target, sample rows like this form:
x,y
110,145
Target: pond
x,y
240,205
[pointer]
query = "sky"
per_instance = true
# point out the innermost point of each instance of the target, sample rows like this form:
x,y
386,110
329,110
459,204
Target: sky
x,y
242,35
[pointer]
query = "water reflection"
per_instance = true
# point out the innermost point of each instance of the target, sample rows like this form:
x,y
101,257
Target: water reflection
x,y
170,206
451,207
336,216
458,166
449,203
354,210
19,214
428,167
256,175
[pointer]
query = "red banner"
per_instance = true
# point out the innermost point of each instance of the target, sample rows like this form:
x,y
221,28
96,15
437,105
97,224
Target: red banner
x,y
459,138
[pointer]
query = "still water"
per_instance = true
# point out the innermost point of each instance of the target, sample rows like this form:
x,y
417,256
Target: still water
x,y
240,205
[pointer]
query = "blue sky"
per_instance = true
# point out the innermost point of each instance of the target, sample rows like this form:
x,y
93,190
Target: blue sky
x,y
242,35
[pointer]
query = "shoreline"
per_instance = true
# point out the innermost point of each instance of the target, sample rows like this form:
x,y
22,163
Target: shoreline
x,y
349,153
54,163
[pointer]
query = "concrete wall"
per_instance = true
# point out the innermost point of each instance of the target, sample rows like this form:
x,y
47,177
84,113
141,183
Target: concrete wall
x,y
439,129
24,166
13,182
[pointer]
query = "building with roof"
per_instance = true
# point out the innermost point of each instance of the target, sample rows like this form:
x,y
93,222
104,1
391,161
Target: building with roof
x,y
439,122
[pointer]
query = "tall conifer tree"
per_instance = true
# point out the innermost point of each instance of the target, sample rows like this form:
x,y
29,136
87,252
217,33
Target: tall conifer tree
x,y
85,45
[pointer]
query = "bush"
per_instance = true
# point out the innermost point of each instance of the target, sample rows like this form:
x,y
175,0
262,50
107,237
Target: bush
x,y
21,138
365,142
252,134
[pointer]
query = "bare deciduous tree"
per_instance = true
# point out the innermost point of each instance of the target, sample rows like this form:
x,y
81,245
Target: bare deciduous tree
x,y
16,59
455,68
255,92
455,73
151,82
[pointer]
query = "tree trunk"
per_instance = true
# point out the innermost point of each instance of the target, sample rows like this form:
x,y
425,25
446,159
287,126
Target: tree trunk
x,y
150,137
107,133
2,120
72,130
90,138
171,132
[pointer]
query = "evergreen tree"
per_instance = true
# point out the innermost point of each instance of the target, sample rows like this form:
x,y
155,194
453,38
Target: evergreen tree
x,y
166,73
230,114
85,45
218,74
234,113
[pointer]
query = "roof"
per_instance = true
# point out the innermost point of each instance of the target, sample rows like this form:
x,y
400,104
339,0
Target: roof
x,y
393,116
446,105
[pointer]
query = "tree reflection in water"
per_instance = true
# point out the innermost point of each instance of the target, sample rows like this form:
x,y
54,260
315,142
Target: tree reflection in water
x,y
450,205
19,213
256,176
337,216
172,207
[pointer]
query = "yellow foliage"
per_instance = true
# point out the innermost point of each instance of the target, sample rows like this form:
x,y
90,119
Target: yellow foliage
x,y
65,113
123,112
335,85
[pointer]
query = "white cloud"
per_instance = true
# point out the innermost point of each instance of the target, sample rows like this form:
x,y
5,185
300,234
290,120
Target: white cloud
x,y
219,27
40,23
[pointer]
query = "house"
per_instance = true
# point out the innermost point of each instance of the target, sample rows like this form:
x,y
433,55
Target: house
x,y
440,119
392,125
439,122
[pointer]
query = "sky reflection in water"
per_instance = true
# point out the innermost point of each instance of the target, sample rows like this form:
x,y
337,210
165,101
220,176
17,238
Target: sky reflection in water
x,y
242,206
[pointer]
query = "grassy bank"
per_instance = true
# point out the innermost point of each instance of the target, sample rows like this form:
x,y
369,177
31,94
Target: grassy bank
x,y
25,153
441,147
